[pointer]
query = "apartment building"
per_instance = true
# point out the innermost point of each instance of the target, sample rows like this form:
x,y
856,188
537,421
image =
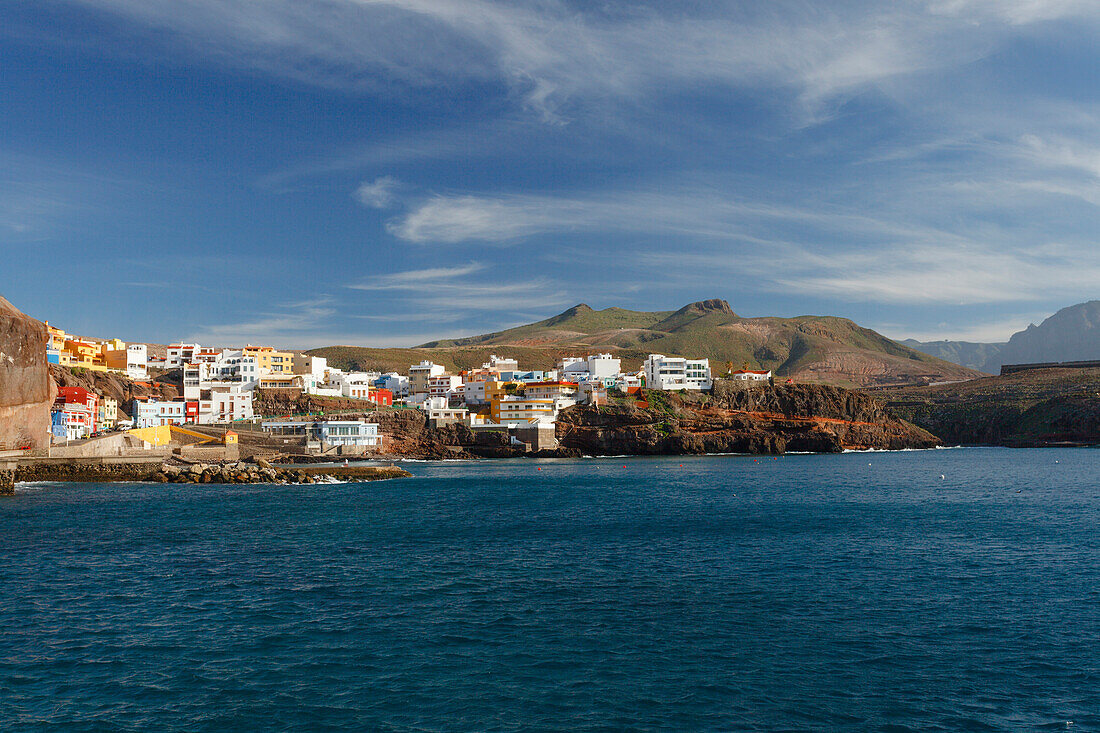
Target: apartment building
x,y
271,360
514,409
419,374
676,373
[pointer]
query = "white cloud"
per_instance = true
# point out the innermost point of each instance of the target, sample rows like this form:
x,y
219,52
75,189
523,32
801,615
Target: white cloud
x,y
918,273
379,193
552,54
681,210
987,331
418,279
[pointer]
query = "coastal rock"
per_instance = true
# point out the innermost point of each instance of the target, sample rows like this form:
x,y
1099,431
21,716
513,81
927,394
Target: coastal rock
x,y
736,419
26,390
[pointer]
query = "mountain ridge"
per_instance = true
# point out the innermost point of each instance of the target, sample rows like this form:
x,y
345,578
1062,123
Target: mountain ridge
x,y
826,349
1070,334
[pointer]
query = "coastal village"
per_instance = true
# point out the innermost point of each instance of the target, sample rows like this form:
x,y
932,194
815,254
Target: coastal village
x,y
219,388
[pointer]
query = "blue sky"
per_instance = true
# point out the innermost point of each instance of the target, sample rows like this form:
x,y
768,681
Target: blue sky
x,y
385,172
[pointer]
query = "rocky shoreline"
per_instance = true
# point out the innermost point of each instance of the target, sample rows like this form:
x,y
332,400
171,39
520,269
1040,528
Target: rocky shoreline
x,y
238,472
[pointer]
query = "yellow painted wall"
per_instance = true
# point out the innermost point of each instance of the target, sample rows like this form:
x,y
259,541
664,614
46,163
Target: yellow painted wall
x,y
159,435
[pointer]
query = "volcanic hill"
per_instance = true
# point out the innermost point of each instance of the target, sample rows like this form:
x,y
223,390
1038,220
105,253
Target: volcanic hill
x,y
823,349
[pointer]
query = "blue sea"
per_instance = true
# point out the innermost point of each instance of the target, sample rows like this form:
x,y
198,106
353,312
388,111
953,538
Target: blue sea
x,y
948,590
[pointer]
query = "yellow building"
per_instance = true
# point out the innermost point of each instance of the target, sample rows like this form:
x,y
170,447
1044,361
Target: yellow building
x,y
496,388
276,362
81,353
550,390
57,337
506,409
108,411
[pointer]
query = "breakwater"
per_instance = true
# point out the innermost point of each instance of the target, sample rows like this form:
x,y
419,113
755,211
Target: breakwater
x,y
259,472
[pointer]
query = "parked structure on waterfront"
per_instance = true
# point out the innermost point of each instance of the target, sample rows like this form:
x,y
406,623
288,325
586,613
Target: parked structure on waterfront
x,y
348,435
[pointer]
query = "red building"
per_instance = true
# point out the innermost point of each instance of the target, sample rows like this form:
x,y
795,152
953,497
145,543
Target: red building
x,y
381,397
80,407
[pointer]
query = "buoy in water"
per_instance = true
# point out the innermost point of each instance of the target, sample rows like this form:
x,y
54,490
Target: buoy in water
x,y
942,477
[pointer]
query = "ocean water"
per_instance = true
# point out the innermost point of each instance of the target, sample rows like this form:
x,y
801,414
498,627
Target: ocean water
x,y
842,592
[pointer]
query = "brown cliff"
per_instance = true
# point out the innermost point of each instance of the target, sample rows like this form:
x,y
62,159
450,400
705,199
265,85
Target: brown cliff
x,y
26,390
737,419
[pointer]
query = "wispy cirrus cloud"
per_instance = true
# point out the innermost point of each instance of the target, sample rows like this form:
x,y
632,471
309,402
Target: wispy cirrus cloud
x,y
418,279
554,55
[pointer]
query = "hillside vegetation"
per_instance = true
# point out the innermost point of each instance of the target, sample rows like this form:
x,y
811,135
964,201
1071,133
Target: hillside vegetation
x,y
807,348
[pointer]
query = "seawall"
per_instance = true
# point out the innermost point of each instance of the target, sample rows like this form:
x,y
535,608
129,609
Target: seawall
x,y
110,470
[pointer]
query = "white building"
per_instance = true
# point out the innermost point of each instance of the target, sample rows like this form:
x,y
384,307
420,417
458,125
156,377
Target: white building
x,y
675,373
627,382
225,403
750,375
396,383
443,415
357,385
473,390
598,367
306,364
228,368
137,361
234,366
445,385
180,354
500,364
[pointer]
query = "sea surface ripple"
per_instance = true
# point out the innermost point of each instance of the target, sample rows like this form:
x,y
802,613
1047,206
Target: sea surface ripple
x,y
843,592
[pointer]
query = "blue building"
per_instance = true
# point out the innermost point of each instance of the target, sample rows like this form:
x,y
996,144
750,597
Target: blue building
x,y
59,424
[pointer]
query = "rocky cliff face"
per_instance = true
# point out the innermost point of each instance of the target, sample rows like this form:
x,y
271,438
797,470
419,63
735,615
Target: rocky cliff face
x,y
1071,334
1033,408
116,386
735,419
26,390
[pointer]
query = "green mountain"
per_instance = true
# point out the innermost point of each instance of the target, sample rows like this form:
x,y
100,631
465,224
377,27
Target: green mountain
x,y
807,348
